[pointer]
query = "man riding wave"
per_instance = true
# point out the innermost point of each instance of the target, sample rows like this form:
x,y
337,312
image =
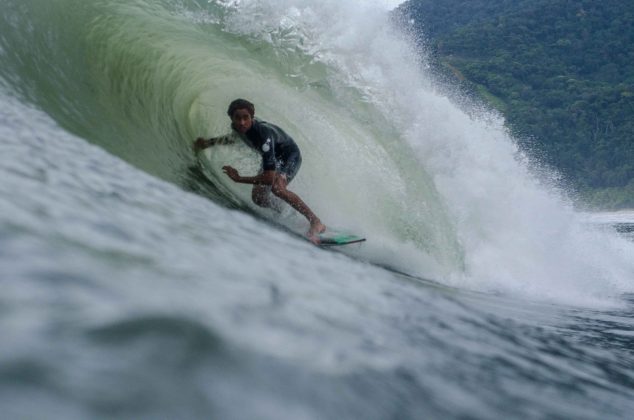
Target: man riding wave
x,y
281,160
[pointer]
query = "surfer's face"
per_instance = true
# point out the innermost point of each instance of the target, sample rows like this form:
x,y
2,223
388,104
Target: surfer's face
x,y
241,120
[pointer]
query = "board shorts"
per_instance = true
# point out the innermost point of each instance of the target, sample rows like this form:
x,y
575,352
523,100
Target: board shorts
x,y
290,165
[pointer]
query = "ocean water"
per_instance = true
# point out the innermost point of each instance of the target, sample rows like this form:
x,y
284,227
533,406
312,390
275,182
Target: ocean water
x,y
139,283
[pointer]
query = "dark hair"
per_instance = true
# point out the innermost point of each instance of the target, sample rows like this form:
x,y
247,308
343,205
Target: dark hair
x,y
240,104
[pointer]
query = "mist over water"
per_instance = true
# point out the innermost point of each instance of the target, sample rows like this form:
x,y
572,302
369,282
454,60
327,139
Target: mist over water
x,y
139,282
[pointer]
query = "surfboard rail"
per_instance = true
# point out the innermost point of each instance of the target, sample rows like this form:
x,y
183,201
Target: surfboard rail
x,y
333,238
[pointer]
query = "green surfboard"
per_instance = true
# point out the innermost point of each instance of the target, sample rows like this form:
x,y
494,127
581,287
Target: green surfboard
x,y
334,238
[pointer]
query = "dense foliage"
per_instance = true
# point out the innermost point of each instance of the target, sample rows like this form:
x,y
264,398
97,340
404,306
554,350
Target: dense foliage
x,y
561,71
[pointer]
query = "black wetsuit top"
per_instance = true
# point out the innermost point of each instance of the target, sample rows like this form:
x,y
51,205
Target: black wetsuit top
x,y
279,151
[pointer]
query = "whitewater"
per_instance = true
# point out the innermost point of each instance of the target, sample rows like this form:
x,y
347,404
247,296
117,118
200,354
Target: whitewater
x,y
138,281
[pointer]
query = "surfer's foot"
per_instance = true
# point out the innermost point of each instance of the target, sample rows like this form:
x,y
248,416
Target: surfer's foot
x,y
316,227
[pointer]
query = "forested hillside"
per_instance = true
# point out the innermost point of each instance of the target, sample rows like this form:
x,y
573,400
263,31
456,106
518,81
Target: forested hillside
x,y
561,71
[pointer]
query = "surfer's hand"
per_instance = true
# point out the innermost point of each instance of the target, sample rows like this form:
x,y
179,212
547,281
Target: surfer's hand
x,y
200,144
231,173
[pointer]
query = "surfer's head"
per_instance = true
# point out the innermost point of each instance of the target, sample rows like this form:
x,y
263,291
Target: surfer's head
x,y
241,113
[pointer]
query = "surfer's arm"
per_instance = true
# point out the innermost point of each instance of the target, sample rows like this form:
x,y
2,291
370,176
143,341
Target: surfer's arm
x,y
265,178
202,143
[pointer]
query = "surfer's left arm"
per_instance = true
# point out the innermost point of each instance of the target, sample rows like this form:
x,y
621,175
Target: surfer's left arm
x,y
202,143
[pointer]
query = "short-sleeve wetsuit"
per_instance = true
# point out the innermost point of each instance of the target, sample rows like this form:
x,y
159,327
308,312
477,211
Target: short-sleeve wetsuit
x,y
279,151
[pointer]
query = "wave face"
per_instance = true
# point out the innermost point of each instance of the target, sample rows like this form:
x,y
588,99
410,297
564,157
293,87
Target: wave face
x,y
439,192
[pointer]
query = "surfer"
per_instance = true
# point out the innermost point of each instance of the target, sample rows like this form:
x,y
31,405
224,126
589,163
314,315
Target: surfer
x,y
281,161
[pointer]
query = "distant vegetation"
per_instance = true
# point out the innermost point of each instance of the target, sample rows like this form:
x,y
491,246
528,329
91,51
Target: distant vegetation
x,y
562,73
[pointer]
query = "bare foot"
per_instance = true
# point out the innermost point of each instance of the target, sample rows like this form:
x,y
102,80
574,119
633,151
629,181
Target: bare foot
x,y
316,227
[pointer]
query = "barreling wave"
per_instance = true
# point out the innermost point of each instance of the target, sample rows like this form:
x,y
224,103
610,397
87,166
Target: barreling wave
x,y
439,192
142,79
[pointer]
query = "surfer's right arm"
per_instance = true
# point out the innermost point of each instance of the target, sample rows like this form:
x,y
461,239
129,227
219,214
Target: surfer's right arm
x,y
202,143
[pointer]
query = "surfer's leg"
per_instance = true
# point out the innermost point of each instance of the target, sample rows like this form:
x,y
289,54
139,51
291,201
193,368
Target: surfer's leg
x,y
290,166
261,195
279,189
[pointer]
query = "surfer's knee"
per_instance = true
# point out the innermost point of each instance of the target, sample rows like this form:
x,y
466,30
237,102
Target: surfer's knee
x,y
260,201
260,196
279,190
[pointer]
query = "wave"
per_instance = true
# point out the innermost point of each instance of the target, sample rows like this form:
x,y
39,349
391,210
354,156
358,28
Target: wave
x,y
439,192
